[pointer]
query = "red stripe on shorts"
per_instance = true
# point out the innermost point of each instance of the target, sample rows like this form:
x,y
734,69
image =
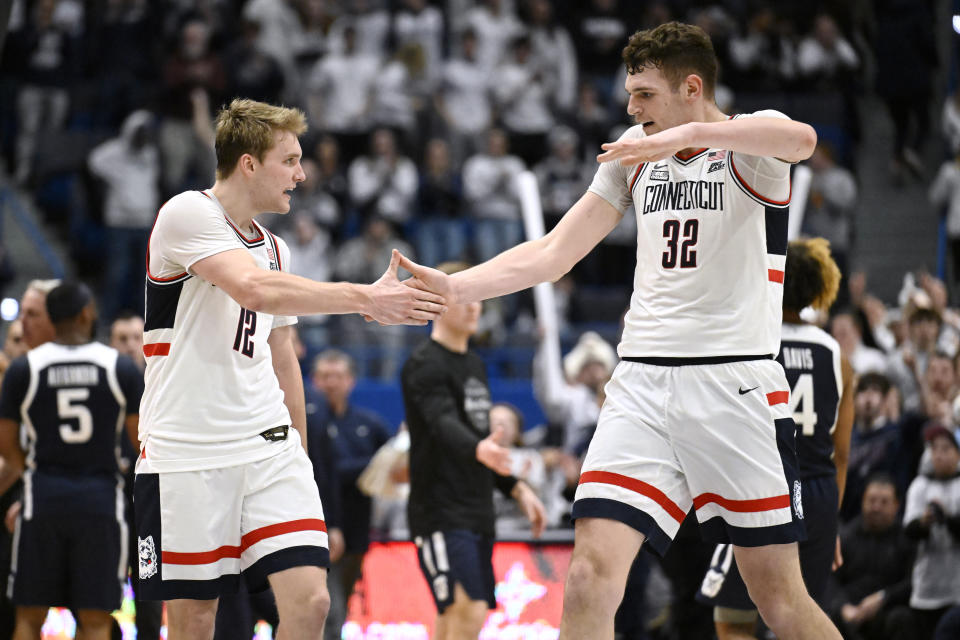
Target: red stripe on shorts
x,y
775,275
778,397
743,506
269,531
200,557
247,541
156,349
638,486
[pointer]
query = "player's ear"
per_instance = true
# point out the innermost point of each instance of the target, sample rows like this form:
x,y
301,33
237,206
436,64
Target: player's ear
x,y
692,86
246,164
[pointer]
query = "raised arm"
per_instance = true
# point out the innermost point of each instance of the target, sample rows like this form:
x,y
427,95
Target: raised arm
x,y
279,293
771,137
541,260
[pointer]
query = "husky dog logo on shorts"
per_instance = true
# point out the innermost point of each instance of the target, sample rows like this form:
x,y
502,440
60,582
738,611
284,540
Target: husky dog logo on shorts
x,y
148,557
797,501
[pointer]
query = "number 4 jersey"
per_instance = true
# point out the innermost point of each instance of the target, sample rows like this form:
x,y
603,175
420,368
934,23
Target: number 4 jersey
x,y
711,248
210,385
811,361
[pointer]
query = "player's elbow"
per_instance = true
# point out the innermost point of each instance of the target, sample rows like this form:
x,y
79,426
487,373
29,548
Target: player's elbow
x,y
806,141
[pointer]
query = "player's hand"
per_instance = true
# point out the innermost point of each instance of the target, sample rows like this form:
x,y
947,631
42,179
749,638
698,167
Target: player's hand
x,y
427,279
837,556
870,606
531,506
492,455
647,149
336,543
394,303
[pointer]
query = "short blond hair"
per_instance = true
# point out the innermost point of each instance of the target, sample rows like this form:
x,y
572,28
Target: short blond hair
x,y
42,286
247,126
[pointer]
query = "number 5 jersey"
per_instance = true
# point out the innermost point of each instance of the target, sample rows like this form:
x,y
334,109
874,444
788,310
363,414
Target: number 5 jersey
x,y
210,385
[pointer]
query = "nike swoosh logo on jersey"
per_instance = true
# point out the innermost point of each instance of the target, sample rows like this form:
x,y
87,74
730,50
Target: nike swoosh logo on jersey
x,y
745,391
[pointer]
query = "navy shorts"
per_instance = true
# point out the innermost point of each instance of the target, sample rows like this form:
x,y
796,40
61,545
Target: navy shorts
x,y
76,561
724,587
458,556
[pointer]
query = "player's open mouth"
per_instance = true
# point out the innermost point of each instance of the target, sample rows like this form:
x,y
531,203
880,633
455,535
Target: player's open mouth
x,y
647,124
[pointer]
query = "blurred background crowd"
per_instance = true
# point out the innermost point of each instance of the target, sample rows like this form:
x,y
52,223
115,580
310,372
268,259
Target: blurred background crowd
x,y
421,114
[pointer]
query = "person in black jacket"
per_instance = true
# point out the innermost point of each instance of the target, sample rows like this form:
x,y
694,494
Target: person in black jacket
x,y
455,463
873,583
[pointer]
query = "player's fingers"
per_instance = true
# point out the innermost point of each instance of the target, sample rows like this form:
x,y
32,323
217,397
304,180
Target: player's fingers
x,y
431,307
410,265
415,322
394,262
425,295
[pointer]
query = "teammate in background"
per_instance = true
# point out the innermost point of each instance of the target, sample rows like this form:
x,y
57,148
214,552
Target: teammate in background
x,y
821,398
37,328
74,396
13,344
223,483
126,336
711,194
455,462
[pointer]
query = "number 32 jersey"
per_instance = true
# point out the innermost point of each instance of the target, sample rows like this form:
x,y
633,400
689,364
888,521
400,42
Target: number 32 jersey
x,y
210,385
711,248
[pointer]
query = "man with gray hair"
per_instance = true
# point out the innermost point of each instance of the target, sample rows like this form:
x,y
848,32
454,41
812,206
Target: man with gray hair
x,y
37,328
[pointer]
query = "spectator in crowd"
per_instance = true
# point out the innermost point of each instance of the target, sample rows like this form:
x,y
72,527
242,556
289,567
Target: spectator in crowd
x,y
401,93
905,58
950,123
825,58
932,518
331,181
126,336
522,97
761,57
357,433
372,23
872,585
562,175
358,258
847,329
526,463
46,58
340,91
938,389
875,440
944,194
572,398
383,183
455,463
495,26
441,230
463,98
192,65
71,525
37,328
906,366
417,22
129,165
492,197
557,57
601,28
591,121
831,204
252,72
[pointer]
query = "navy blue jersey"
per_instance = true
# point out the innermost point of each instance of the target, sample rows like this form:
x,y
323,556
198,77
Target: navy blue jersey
x,y
72,402
811,360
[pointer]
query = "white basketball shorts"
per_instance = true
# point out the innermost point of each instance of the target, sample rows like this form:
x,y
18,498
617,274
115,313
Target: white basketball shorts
x,y
198,530
678,434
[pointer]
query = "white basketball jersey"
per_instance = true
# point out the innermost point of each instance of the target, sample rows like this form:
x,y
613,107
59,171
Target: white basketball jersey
x,y
210,388
711,248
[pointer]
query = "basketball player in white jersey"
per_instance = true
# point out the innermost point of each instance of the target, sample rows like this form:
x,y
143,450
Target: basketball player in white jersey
x,y
223,485
696,414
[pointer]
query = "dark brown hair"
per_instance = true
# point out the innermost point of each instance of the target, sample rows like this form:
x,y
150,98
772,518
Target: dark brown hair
x,y
812,277
677,50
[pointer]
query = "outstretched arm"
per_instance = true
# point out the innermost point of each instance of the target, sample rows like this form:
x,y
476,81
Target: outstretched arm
x,y
541,260
386,300
787,140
